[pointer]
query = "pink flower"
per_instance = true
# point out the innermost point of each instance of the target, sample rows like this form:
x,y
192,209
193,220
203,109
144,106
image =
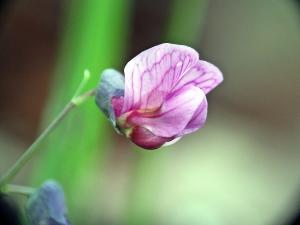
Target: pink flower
x,y
164,95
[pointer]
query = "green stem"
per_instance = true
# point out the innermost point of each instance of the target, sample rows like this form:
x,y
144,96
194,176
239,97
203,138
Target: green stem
x,y
9,175
32,150
18,189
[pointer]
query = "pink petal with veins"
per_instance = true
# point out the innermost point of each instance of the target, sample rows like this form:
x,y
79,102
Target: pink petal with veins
x,y
203,75
174,115
151,75
198,119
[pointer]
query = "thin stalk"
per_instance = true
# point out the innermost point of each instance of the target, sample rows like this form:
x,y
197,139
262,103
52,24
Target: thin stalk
x,y
32,149
10,174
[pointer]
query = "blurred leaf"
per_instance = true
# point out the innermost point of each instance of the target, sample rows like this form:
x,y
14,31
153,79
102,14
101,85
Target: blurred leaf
x,y
186,22
94,37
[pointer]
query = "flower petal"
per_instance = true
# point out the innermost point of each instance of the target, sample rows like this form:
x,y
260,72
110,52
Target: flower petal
x,y
146,139
175,140
198,119
203,75
152,74
174,115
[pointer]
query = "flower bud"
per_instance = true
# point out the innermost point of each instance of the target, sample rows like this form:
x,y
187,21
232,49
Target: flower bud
x,y
47,205
111,87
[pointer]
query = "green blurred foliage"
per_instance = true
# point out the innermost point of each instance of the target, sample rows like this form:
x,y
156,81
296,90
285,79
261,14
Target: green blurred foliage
x,y
185,22
94,37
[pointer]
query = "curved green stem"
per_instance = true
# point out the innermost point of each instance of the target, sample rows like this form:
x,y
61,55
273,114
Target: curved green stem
x,y
32,150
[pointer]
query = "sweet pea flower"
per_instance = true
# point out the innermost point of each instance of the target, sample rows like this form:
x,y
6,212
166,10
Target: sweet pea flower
x,y
162,96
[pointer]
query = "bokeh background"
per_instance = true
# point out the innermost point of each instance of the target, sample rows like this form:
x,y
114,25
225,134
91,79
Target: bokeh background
x,y
243,168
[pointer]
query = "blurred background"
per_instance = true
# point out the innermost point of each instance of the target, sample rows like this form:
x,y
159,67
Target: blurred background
x,y
243,168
